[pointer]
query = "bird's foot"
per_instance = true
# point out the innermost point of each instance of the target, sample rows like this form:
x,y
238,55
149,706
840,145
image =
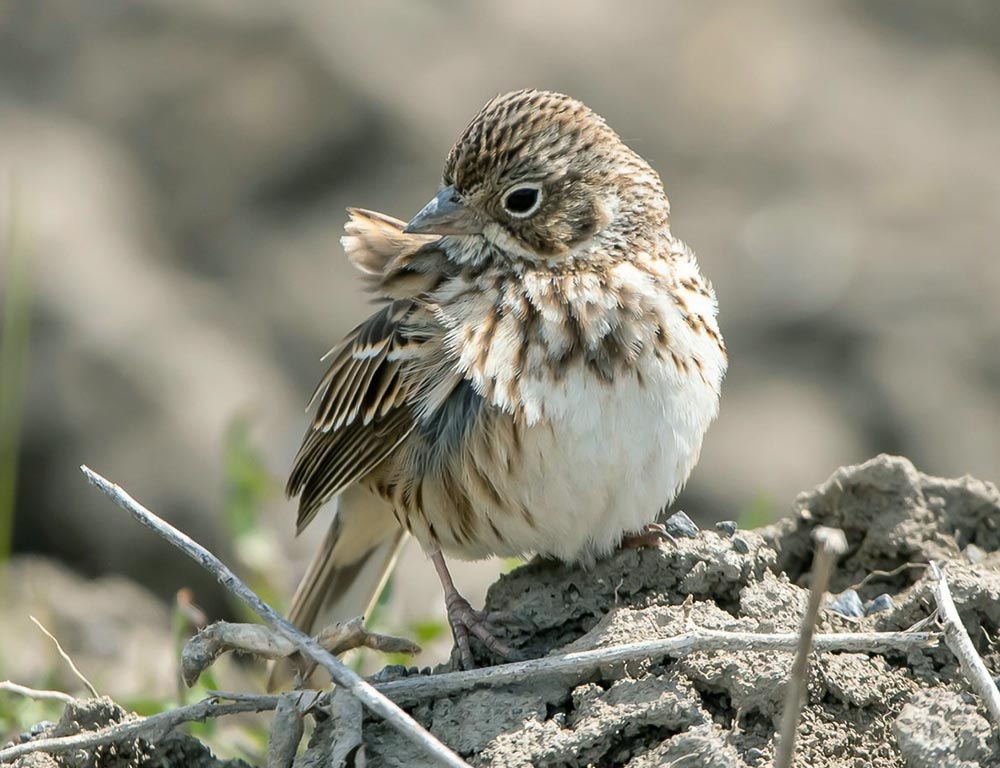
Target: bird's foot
x,y
651,535
465,621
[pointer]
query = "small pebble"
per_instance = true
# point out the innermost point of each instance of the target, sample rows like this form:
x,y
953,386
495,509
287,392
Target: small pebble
x,y
740,545
727,527
847,603
974,554
679,524
36,730
881,603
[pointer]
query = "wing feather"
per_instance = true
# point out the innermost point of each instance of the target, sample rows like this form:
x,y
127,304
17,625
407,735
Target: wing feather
x,y
378,378
341,447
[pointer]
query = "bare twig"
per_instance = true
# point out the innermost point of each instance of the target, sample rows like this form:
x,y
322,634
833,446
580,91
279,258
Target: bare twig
x,y
830,544
146,727
66,658
306,699
309,647
579,665
286,731
32,693
957,639
887,574
348,635
204,648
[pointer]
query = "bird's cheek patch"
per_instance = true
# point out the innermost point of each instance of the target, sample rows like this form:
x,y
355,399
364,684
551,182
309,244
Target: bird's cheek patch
x,y
586,221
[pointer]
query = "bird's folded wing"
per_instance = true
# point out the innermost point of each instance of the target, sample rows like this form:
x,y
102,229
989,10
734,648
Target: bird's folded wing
x,y
385,375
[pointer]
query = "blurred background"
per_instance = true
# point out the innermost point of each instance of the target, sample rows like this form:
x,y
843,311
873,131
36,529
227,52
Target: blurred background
x,y
173,176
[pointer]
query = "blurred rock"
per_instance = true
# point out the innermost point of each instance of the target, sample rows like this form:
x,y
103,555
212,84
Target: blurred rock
x,y
117,633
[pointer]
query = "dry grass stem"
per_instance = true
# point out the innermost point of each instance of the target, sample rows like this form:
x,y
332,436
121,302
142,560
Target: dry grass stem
x,y
830,544
65,656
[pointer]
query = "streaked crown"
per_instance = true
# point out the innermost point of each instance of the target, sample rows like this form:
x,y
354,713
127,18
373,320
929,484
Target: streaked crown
x,y
550,172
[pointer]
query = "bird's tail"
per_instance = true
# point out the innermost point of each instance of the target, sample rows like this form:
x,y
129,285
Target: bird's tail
x,y
348,572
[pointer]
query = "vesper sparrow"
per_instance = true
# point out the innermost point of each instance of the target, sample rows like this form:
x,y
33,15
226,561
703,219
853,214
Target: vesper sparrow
x,y
538,379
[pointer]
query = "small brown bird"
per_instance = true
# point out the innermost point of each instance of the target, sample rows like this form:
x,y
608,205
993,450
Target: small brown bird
x,y
540,375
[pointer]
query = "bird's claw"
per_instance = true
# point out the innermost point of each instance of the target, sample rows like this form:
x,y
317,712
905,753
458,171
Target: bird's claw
x,y
651,535
465,621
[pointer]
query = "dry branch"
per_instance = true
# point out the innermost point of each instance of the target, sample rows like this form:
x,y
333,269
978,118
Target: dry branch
x,y
570,668
957,639
201,651
33,693
148,728
577,666
309,647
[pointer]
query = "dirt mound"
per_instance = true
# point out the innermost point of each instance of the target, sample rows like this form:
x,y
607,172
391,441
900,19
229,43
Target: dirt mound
x,y
722,709
863,710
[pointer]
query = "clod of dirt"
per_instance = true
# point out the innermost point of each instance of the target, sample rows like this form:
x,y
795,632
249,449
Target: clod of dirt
x,y
83,715
944,728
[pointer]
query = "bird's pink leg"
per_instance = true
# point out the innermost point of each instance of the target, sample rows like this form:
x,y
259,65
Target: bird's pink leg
x,y
463,618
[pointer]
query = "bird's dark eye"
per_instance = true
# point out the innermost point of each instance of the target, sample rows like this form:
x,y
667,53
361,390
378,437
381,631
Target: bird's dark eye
x,y
522,200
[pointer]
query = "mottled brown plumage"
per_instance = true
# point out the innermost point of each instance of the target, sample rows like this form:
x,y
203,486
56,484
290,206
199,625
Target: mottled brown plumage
x,y
539,378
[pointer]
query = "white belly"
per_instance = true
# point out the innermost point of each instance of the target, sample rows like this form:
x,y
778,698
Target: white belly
x,y
604,461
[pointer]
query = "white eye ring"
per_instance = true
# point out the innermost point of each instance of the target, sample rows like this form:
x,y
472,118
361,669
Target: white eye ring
x,y
521,194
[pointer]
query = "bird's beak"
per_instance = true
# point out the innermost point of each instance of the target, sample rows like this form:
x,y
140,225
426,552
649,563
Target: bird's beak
x,y
446,214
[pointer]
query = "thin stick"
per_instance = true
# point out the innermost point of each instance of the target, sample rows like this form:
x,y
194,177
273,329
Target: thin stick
x,y
580,664
577,666
830,544
141,726
66,658
33,693
887,574
957,639
204,648
340,673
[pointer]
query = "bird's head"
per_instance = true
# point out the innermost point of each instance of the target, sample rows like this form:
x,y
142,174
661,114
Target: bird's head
x,y
539,175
